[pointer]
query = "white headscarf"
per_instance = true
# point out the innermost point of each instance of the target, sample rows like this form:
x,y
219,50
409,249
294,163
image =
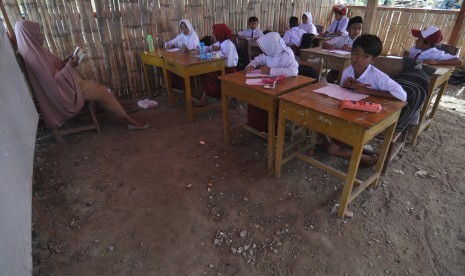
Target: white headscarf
x,y
192,37
309,27
272,44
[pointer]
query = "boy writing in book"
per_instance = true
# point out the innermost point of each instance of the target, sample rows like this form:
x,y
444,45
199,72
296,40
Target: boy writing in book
x,y
253,31
344,42
364,78
425,48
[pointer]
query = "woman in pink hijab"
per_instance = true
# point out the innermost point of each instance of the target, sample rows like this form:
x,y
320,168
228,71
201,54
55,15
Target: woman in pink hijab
x,y
60,92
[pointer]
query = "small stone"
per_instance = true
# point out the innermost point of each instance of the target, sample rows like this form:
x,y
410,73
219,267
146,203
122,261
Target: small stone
x,y
233,250
243,233
111,247
387,271
210,265
96,241
216,242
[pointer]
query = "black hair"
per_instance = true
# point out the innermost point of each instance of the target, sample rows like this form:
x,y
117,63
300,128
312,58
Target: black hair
x,y
293,21
370,44
253,19
353,20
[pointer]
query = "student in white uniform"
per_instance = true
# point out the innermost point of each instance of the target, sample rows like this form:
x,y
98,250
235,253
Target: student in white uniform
x,y
277,59
293,37
307,24
187,40
253,32
340,22
364,78
425,48
210,82
344,43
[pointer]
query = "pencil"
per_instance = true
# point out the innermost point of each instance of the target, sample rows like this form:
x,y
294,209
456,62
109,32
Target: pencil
x,y
403,47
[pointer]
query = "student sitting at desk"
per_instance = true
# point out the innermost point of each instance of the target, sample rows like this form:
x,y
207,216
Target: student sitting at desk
x,y
187,40
364,78
293,37
210,82
425,48
253,31
339,24
277,59
307,24
344,42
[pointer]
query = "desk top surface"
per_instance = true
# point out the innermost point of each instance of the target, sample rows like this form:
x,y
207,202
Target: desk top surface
x,y
308,99
290,83
321,51
188,58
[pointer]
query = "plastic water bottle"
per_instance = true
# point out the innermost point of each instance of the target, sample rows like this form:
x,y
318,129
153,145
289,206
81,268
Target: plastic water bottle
x,y
203,52
150,42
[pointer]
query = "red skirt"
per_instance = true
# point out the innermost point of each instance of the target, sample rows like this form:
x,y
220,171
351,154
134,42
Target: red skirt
x,y
212,85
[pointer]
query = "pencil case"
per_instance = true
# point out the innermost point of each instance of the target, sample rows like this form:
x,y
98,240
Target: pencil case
x,y
361,105
275,79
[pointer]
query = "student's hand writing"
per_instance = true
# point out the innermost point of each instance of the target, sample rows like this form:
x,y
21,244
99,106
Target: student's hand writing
x,y
406,54
328,46
184,48
265,69
65,60
73,61
215,48
357,86
249,68
347,48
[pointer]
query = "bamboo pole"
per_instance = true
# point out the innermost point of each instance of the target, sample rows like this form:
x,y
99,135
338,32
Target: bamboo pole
x,y
457,26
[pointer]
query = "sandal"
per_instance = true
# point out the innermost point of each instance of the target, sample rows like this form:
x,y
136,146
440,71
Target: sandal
x,y
145,126
364,165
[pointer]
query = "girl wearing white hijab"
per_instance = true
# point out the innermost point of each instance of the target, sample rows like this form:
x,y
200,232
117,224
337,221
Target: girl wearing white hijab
x,y
307,24
277,59
187,40
59,91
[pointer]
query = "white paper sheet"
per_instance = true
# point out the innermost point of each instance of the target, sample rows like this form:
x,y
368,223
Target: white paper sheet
x,y
173,50
256,73
340,52
254,82
340,93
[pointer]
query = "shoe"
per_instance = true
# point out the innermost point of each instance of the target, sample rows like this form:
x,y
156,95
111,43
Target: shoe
x,y
145,126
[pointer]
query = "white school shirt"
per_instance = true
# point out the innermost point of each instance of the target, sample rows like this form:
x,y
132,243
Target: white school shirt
x,y
229,51
294,36
340,41
257,33
192,40
378,81
309,28
432,53
342,27
283,63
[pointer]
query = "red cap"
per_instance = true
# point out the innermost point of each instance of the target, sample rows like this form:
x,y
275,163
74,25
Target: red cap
x,y
340,8
431,34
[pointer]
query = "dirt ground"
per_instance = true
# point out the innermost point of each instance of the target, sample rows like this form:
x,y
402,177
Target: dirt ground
x,y
157,202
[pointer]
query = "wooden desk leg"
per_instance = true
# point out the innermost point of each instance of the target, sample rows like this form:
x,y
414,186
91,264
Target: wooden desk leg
x,y
169,87
190,111
224,107
280,143
144,66
350,178
271,134
384,150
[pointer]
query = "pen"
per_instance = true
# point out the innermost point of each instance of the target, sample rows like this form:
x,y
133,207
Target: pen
x,y
403,47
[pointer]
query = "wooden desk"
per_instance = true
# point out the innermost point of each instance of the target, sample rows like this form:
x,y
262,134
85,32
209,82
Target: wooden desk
x,y
322,114
154,59
437,86
332,61
233,85
187,65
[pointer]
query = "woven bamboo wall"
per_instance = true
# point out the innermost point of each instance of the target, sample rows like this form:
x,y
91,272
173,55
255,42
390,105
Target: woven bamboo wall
x,y
114,32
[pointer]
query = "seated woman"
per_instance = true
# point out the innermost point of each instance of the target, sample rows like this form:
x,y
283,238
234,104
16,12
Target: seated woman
x,y
210,82
187,40
277,59
59,91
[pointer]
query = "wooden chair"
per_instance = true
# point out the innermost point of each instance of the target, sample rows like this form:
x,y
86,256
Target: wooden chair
x,y
58,133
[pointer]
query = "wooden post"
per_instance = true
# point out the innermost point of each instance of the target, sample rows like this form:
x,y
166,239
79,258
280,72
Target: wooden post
x,y
369,22
458,26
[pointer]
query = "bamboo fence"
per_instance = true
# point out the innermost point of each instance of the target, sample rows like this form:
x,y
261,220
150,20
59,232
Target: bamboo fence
x,y
114,31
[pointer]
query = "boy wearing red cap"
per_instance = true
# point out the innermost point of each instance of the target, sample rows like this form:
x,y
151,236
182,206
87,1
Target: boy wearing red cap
x,y
340,22
425,48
